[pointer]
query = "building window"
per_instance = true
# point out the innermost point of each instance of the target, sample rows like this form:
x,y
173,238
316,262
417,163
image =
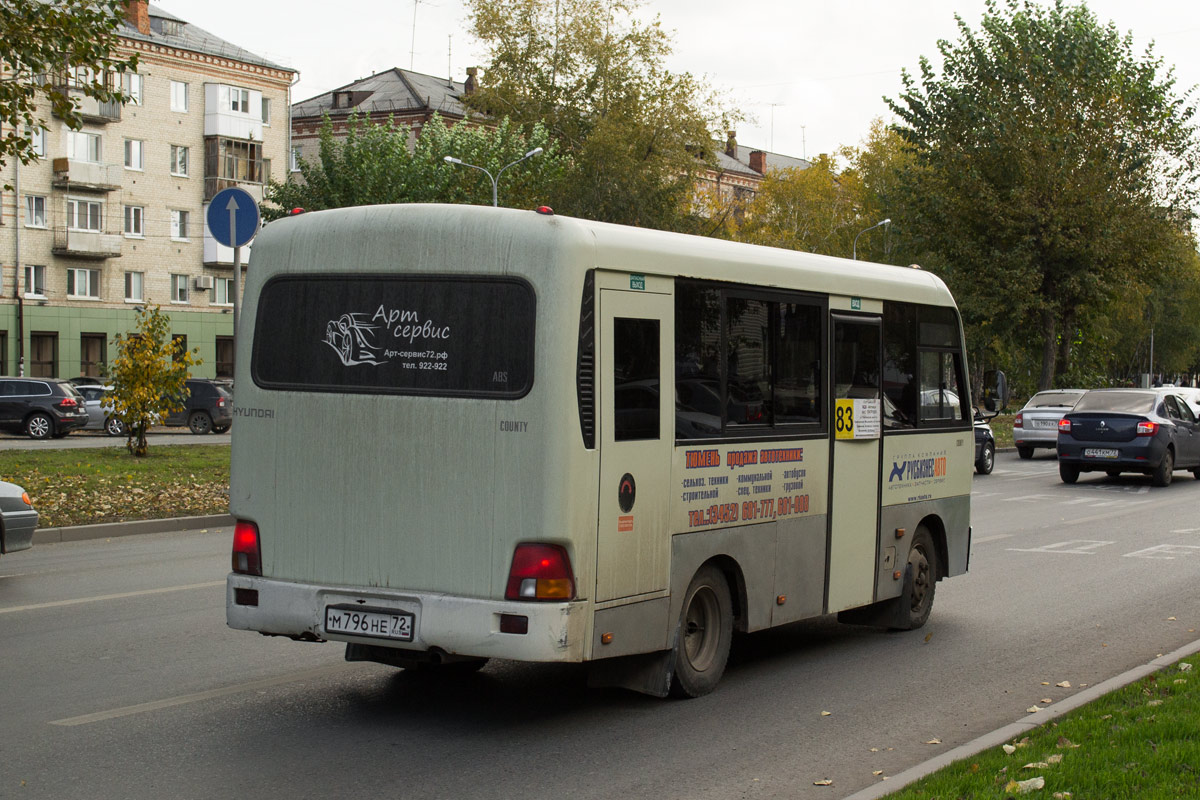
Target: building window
x,y
35,211
37,141
134,219
134,154
179,288
83,215
43,355
266,111
131,86
35,280
224,356
233,159
295,165
133,286
83,283
83,146
4,353
224,292
239,100
179,96
179,225
91,354
179,160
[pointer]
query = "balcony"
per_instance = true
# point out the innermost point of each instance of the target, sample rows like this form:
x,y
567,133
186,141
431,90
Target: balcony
x,y
86,244
93,110
214,185
86,176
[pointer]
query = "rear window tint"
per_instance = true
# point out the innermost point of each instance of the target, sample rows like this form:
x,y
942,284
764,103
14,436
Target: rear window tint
x,y
1126,402
395,334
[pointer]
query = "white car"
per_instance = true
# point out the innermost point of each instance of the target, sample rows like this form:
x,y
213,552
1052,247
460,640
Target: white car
x,y
1036,425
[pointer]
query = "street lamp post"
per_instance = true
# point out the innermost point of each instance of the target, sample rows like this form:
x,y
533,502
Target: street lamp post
x,y
854,248
495,179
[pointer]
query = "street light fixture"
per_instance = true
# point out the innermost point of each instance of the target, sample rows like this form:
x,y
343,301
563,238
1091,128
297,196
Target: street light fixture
x,y
496,178
854,248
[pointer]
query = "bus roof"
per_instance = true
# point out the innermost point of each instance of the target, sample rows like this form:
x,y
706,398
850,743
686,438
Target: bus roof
x,y
362,234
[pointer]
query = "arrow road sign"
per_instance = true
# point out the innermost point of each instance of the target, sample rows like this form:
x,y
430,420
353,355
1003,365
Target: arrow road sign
x,y
233,217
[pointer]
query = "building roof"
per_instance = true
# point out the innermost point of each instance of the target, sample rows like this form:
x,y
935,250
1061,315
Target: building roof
x,y
184,35
741,163
394,90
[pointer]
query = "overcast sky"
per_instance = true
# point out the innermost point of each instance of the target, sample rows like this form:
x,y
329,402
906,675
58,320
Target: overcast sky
x,y
811,74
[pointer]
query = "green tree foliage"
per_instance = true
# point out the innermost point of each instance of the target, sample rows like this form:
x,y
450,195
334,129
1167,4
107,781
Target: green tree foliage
x,y
817,209
385,163
638,135
42,44
1053,167
148,375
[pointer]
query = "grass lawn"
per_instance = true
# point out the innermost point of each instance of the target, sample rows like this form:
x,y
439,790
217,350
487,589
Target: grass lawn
x,y
1141,743
106,484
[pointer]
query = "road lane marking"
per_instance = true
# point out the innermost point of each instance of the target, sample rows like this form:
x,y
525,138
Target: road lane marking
x,y
1083,547
1165,551
196,697
120,596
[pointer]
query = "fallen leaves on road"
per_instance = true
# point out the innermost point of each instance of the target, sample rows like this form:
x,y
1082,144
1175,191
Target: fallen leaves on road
x,y
71,502
1033,709
934,741
1063,684
825,782
826,713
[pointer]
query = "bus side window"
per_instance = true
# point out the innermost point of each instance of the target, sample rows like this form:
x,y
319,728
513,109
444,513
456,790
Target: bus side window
x,y
899,365
636,379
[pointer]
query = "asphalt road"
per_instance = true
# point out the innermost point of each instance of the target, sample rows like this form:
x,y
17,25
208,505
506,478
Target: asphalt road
x,y
120,680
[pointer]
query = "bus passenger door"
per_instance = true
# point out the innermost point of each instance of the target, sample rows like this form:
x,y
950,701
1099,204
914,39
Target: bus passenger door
x,y
636,382
855,428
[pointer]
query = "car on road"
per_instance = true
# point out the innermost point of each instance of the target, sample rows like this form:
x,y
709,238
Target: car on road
x,y
985,443
40,407
99,409
207,408
1036,425
1129,430
18,519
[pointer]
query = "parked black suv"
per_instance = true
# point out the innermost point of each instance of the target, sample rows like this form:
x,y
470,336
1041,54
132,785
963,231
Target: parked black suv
x,y
40,407
208,408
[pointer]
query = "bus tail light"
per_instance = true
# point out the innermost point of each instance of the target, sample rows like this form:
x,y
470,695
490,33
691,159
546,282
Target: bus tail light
x,y
247,554
1147,428
540,572
1018,421
1064,425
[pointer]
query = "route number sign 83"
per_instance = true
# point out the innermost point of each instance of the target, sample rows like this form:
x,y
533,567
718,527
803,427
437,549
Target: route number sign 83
x,y
843,419
856,418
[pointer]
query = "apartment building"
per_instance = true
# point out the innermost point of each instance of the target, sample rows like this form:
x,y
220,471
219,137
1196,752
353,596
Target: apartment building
x,y
111,217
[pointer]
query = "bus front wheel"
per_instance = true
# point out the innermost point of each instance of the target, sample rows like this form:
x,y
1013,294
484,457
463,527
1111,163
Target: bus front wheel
x,y
704,635
922,563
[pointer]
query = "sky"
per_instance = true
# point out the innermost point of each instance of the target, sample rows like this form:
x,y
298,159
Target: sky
x,y
811,75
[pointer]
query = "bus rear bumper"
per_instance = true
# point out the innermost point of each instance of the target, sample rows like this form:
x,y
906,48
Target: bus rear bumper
x,y
455,625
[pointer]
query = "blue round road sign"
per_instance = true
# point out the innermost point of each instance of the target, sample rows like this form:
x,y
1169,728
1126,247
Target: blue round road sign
x,y
233,217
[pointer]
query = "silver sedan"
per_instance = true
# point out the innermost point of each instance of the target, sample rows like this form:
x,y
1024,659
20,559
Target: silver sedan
x,y
18,520
1036,425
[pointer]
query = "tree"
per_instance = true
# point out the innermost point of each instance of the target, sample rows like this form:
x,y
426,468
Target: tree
x,y
58,49
375,164
818,209
638,135
1051,165
148,375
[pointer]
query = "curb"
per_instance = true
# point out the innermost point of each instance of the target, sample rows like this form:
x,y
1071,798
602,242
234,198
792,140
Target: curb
x,y
1016,729
108,530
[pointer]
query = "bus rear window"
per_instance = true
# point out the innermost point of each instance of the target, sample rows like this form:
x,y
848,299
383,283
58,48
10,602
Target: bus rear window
x,y
393,334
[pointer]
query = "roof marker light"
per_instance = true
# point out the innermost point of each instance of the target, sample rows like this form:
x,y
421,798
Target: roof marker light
x,y
546,210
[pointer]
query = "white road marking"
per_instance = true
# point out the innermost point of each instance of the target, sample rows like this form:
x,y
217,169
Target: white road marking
x,y
1083,547
1165,551
196,697
120,596
1187,530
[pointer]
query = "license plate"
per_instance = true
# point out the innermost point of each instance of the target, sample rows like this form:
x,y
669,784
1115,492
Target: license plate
x,y
373,622
1100,452
1044,423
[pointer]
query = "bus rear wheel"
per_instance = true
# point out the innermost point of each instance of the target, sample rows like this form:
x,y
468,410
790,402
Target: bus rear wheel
x,y
704,636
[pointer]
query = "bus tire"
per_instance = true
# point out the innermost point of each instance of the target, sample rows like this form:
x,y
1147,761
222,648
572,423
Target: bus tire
x,y
704,635
923,566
